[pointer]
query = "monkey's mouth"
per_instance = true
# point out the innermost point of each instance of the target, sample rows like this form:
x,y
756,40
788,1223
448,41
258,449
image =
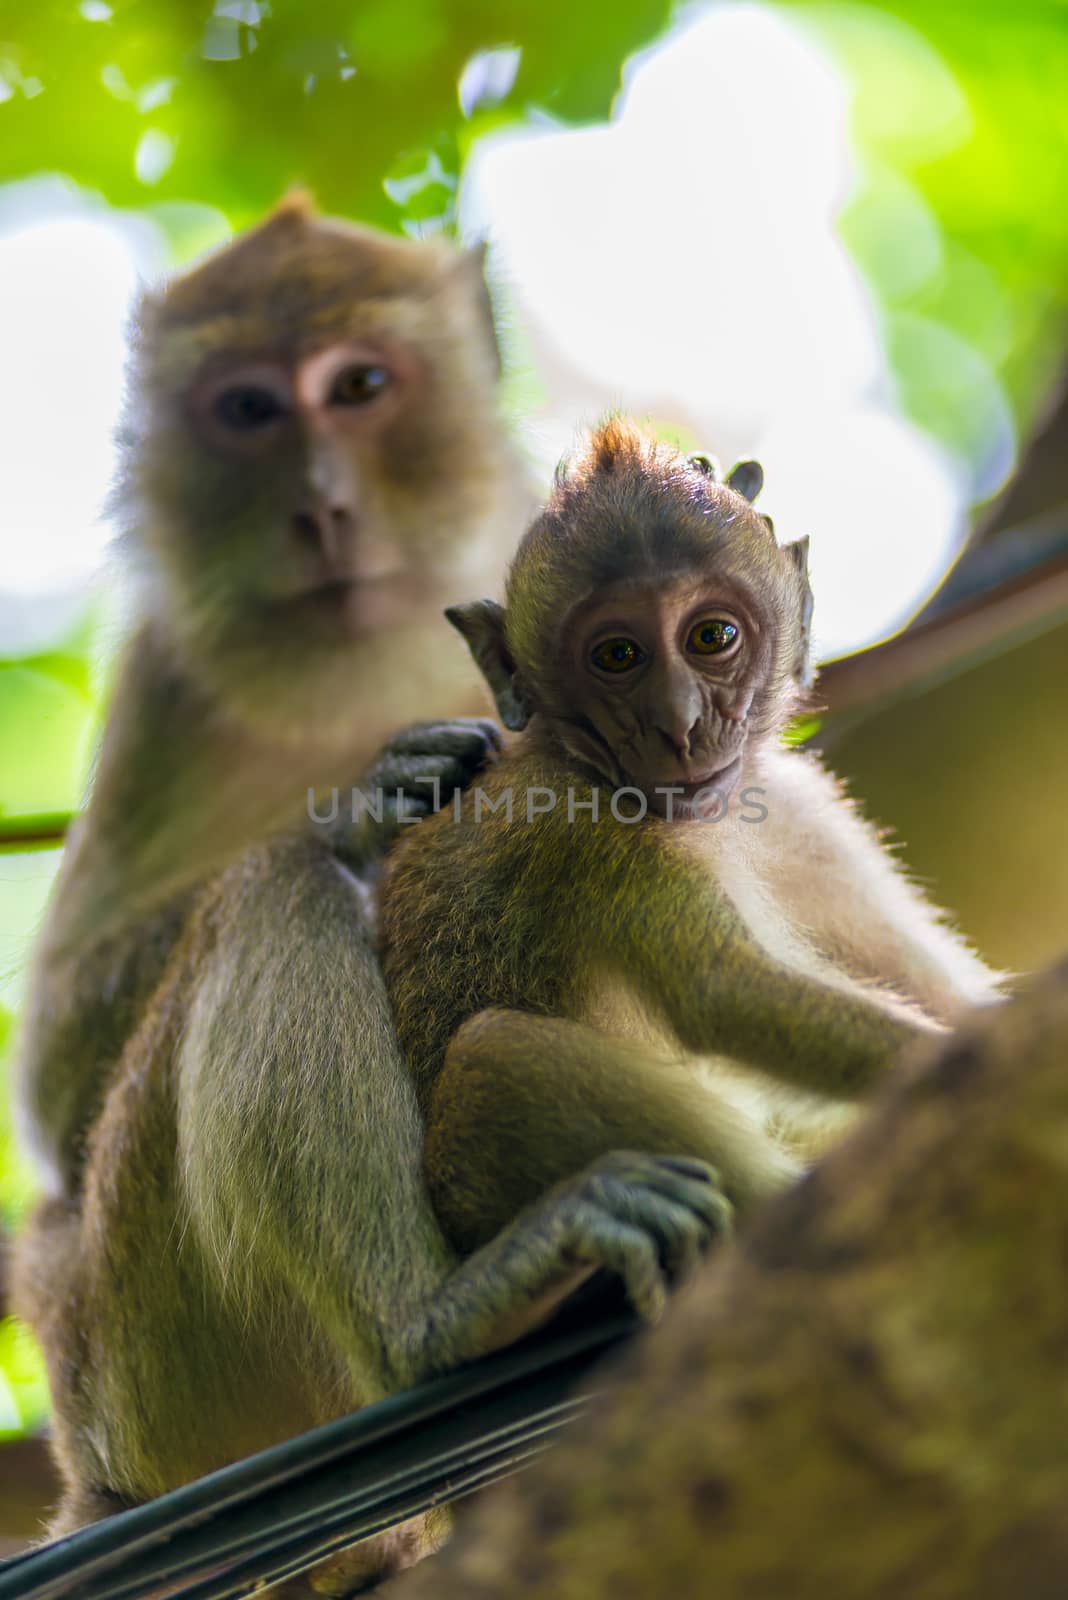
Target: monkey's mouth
x,y
671,797
356,604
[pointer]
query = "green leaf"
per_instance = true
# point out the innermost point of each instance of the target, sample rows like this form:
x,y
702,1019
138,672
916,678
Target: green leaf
x,y
328,94
23,1380
45,724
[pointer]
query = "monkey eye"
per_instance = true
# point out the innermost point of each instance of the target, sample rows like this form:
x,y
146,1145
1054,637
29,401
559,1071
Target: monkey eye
x,y
617,655
247,406
358,385
712,637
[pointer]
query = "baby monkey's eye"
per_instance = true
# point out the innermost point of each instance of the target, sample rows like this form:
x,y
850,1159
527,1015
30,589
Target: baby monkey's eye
x,y
247,406
712,637
357,385
617,655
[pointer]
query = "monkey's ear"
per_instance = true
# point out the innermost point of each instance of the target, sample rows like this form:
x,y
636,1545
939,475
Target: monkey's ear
x,y
746,479
482,624
473,263
796,553
804,671
147,313
297,204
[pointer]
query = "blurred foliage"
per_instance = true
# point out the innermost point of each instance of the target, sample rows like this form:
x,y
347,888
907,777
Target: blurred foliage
x,y
50,707
199,115
45,715
958,218
960,114
23,1382
174,100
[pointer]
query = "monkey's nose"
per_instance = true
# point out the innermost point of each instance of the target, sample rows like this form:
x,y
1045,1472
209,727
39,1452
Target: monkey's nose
x,y
678,733
327,532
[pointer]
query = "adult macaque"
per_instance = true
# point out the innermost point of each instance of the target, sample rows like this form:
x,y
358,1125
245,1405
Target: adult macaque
x,y
580,956
253,1251
312,465
236,1243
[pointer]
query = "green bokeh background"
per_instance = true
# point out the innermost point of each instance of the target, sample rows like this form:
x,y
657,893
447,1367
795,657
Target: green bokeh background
x,y
199,115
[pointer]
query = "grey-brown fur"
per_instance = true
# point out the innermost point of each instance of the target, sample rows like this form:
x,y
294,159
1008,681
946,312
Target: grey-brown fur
x,y
229,703
727,990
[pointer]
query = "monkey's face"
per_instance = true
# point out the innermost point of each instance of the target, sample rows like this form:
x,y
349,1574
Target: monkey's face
x,y
652,623
666,672
315,461
296,455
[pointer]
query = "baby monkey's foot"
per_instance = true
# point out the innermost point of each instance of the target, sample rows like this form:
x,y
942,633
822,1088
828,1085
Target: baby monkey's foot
x,y
649,1219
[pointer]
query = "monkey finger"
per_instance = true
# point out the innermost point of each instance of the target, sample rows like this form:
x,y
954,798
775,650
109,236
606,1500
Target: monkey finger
x,y
691,1167
449,766
482,730
424,785
618,1177
693,1182
599,1239
698,1186
411,771
710,1205
682,1234
681,1237
721,1223
465,737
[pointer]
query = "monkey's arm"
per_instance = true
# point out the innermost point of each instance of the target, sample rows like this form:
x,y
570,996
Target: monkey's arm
x,y
858,902
687,950
104,945
87,994
300,1145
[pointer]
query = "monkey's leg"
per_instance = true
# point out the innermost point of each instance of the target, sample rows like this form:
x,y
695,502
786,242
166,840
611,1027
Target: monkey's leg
x,y
854,897
523,1101
300,1151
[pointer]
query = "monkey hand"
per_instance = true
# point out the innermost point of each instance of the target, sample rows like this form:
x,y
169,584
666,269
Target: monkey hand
x,y
423,766
646,1219
414,775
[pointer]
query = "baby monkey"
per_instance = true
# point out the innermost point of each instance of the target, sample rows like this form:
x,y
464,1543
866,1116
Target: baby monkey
x,y
652,926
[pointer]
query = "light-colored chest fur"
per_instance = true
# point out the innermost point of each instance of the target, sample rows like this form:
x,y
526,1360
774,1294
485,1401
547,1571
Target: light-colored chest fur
x,y
770,872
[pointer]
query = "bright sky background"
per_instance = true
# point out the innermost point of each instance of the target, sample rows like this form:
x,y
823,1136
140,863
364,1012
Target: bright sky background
x,y
68,275
681,263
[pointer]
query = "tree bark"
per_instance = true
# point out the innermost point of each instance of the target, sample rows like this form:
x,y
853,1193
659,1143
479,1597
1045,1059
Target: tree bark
x,y
867,1398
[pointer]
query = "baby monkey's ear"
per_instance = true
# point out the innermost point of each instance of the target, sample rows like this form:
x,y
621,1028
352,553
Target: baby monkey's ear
x,y
746,479
707,464
482,623
804,671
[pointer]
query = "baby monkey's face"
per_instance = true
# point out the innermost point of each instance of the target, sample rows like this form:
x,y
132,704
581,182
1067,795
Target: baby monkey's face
x,y
666,671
